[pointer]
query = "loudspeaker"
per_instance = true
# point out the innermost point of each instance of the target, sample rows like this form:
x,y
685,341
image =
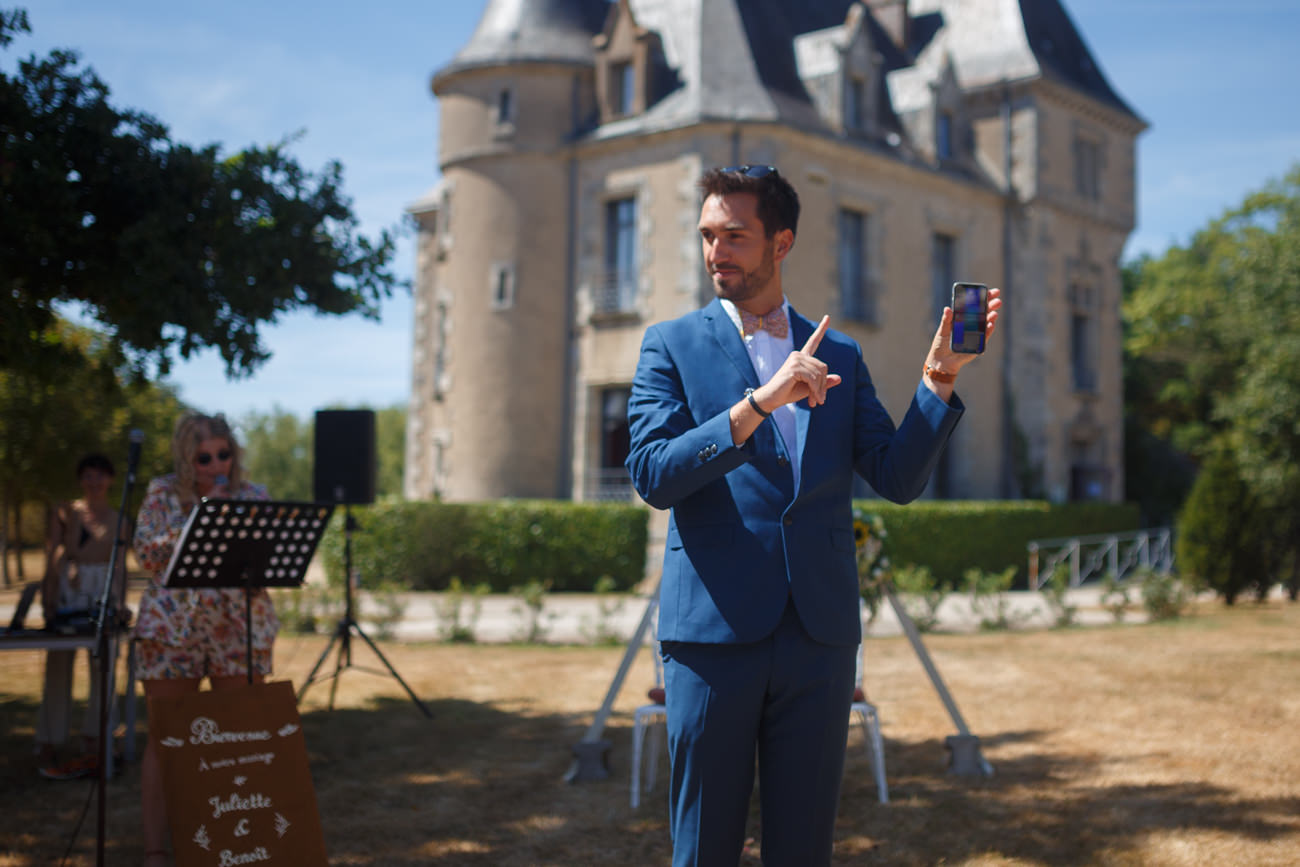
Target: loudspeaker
x,y
345,456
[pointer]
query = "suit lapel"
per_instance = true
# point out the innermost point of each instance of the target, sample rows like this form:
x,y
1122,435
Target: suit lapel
x,y
728,338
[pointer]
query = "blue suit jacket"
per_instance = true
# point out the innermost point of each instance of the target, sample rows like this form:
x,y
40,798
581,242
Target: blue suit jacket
x,y
741,539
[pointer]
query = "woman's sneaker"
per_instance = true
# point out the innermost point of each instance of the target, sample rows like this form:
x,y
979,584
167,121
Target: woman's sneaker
x,y
74,769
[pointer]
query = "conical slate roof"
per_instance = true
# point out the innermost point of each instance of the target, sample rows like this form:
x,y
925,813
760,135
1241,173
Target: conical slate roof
x,y
990,41
734,59
514,31
1062,53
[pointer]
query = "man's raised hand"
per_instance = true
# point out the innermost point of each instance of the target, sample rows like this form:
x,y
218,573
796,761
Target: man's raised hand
x,y
802,376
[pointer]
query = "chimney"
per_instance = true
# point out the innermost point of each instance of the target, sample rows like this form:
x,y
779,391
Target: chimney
x,y
892,15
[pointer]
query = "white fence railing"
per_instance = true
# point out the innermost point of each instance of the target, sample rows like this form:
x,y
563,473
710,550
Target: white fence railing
x,y
1091,557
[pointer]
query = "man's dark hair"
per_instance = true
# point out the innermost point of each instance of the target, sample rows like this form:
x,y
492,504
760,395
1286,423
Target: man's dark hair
x,y
95,461
778,203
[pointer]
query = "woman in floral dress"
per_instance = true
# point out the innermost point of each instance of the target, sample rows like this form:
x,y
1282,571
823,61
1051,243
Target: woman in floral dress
x,y
185,635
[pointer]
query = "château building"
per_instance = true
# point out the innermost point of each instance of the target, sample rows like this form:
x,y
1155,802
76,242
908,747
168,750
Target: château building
x,y
930,141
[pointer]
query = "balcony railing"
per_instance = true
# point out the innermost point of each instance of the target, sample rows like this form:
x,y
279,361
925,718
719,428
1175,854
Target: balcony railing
x,y
610,484
615,294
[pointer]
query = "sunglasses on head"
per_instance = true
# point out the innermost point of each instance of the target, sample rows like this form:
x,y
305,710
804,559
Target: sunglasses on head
x,y
205,458
752,171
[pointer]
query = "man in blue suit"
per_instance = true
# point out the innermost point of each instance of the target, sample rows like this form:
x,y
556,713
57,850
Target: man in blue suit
x,y
748,422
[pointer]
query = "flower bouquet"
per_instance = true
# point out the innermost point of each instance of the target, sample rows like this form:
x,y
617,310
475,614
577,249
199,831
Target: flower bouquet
x,y
873,566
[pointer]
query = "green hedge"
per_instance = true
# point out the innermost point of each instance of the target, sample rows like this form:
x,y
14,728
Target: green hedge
x,y
504,544
951,536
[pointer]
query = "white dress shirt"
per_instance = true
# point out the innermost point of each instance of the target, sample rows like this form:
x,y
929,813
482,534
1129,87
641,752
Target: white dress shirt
x,y
767,354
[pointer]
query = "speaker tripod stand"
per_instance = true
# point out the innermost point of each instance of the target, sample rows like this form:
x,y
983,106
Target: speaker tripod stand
x,y
343,633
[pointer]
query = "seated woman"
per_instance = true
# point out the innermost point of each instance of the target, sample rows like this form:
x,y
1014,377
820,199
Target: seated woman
x,y
79,544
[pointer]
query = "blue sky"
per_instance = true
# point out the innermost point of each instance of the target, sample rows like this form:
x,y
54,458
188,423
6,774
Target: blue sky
x,y
1214,79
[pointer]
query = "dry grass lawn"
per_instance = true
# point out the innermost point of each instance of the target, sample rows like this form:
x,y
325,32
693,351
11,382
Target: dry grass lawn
x,y
1167,744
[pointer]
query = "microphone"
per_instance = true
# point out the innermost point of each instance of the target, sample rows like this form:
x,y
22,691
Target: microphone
x,y
136,438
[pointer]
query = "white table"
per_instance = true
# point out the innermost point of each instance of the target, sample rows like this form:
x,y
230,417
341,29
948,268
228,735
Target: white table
x,y
38,640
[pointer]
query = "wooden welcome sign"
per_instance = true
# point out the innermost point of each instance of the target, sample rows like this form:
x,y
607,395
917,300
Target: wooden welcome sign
x,y
237,779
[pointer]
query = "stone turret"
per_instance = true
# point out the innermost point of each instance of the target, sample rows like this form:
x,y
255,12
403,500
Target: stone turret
x,y
492,304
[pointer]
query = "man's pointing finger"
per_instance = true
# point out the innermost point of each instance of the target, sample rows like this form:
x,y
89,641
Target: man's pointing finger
x,y
816,339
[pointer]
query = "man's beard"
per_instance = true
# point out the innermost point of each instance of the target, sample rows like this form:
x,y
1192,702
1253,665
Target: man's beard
x,y
750,283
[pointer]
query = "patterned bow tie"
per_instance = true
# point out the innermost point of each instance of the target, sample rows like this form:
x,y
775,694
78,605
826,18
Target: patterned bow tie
x,y
773,322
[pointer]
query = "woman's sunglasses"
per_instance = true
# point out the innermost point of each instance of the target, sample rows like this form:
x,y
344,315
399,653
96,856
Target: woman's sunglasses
x,y
205,458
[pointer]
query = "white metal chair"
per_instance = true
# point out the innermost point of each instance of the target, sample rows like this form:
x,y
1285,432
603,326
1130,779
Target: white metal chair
x,y
652,719
864,712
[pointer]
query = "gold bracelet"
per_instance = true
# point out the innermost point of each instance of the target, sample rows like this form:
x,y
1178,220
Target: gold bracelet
x,y
940,376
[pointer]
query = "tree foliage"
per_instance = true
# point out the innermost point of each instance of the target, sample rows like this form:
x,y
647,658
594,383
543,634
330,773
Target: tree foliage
x,y
1157,475
278,453
174,248
51,417
1216,327
279,450
390,450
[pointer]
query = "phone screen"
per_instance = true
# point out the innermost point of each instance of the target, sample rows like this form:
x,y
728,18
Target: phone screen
x,y
970,310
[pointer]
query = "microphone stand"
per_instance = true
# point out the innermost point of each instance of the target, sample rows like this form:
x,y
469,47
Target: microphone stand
x,y
106,625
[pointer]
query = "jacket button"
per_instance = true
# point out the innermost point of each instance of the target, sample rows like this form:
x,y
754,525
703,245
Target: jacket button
x,y
781,461
713,449
789,522
702,455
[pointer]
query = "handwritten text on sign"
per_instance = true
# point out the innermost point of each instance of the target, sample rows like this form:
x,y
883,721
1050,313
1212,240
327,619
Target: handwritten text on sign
x,y
237,780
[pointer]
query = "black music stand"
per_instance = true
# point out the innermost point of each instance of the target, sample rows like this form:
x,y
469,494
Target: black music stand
x,y
247,544
346,626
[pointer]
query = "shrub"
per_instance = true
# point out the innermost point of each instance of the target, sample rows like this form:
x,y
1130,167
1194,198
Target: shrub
x,y
989,598
608,605
451,609
1163,595
1221,541
307,609
389,609
1115,598
532,596
423,545
921,595
1056,593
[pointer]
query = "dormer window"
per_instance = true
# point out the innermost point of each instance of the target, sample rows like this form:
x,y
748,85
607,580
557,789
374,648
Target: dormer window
x,y
622,87
943,145
855,103
630,65
842,72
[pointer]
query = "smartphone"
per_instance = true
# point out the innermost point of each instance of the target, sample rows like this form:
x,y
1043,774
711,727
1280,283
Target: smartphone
x,y
970,313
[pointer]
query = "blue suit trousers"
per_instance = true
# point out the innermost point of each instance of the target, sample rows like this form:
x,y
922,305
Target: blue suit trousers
x,y
790,695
